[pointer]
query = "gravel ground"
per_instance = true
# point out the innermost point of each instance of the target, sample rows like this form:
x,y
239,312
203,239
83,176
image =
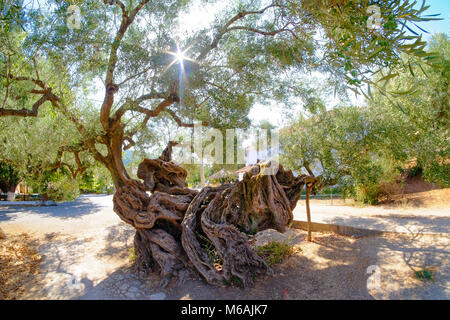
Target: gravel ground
x,y
85,248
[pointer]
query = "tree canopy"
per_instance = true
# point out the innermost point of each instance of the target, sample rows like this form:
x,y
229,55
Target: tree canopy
x,y
130,47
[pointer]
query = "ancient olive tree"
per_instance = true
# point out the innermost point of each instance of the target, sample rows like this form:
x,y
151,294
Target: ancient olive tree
x,y
150,65
45,153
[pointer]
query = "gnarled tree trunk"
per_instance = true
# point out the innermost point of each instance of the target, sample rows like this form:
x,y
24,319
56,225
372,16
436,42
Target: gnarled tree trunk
x,y
174,225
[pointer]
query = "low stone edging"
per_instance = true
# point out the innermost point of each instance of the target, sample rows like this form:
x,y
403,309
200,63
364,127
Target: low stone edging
x,y
27,203
339,229
349,231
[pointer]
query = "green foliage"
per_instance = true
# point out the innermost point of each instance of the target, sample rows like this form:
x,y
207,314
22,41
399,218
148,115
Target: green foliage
x,y
348,49
274,252
237,62
439,172
355,51
32,145
193,177
424,275
9,177
367,193
96,180
56,185
62,190
414,171
348,147
422,117
11,14
210,249
363,149
36,141
132,257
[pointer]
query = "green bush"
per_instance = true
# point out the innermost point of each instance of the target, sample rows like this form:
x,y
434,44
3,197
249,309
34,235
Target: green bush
x,y
97,180
438,172
424,275
274,252
9,177
54,185
367,193
63,190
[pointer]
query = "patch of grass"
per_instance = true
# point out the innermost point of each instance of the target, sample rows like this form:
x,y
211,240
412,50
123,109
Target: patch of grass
x,y
424,275
132,257
210,250
274,252
404,203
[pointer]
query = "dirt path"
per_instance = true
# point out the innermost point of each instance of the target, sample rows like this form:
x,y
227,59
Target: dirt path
x,y
85,256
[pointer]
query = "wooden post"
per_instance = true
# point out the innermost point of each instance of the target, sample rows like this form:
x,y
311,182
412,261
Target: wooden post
x,y
202,172
308,212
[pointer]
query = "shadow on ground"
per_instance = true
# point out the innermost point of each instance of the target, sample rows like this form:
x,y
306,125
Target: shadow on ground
x,y
401,256
66,210
332,268
117,236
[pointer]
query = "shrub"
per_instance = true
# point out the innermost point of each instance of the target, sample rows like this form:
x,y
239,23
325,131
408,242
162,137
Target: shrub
x,y
439,172
274,252
424,275
62,190
54,185
9,177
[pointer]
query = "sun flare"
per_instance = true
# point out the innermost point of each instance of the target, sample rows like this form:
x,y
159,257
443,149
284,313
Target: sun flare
x,y
179,55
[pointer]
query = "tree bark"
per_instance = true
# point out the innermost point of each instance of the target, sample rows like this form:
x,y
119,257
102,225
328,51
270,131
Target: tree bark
x,y
180,231
9,178
11,187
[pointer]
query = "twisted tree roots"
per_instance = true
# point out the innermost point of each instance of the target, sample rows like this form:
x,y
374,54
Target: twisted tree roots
x,y
180,230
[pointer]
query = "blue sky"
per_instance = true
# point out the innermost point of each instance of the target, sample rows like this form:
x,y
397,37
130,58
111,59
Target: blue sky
x,y
437,6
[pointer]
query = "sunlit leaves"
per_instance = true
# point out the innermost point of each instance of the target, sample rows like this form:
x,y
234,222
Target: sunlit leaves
x,y
11,15
357,51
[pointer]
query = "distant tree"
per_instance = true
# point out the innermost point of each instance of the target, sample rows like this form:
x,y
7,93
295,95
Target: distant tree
x,y
365,146
46,144
420,118
9,177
